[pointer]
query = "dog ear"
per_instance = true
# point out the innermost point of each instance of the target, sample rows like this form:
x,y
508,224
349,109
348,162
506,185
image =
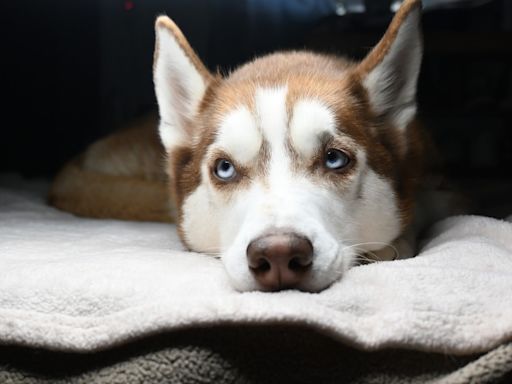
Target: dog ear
x,y
390,71
180,80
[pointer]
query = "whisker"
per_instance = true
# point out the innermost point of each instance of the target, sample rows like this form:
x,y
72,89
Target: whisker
x,y
364,258
214,252
395,250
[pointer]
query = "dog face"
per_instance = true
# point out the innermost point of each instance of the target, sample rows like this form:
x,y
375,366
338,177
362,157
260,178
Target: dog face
x,y
295,163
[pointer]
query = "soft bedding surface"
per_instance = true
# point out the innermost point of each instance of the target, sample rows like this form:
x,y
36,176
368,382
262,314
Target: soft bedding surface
x,y
75,284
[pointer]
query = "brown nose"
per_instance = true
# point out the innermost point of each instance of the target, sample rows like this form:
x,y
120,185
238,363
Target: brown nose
x,y
280,260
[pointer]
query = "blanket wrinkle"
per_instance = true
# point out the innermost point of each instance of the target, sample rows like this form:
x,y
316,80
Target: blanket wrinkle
x,y
84,285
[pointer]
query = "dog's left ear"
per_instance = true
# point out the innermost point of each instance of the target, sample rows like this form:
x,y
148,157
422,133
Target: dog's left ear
x,y
390,71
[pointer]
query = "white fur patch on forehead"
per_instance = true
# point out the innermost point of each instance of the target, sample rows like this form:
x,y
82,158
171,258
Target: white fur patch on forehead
x,y
310,120
273,119
239,136
272,116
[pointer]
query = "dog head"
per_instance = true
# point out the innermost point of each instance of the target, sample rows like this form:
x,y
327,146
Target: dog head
x,y
295,163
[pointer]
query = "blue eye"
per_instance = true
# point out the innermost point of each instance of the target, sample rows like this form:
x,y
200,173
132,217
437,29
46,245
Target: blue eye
x,y
336,159
224,170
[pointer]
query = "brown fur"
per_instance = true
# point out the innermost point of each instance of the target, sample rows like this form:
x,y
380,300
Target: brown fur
x,y
119,177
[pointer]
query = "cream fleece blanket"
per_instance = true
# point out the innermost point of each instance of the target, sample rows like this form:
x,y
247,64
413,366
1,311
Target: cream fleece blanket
x,y
75,284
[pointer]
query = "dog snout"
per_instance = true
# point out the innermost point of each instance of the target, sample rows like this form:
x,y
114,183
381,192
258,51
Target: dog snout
x,y
280,260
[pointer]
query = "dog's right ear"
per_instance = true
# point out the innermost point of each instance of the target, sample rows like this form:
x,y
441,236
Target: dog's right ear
x,y
390,71
180,81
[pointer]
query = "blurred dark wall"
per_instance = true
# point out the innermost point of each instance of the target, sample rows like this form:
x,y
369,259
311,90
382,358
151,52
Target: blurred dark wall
x,y
51,88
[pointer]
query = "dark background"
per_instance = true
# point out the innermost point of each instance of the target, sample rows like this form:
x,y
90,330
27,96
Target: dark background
x,y
76,70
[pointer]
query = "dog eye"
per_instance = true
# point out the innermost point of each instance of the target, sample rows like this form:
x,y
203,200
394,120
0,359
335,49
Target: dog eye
x,y
224,170
336,159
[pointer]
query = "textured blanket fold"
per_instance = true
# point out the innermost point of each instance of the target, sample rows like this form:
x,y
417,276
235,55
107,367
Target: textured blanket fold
x,y
76,284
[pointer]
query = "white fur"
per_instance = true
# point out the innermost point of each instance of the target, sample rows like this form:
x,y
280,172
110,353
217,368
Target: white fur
x,y
400,65
239,136
272,115
338,226
200,221
339,223
376,216
179,88
310,119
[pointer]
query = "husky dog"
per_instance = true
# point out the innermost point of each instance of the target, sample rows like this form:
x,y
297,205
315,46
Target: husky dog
x,y
289,168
